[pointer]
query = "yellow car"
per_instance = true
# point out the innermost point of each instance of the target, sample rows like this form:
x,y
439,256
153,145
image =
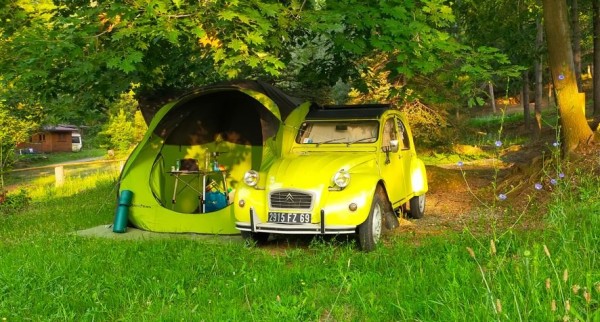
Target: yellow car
x,y
350,170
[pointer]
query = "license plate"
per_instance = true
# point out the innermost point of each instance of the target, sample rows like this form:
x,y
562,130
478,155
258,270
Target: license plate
x,y
289,218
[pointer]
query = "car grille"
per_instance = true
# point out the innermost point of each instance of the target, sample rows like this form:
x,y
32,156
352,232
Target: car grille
x,y
291,200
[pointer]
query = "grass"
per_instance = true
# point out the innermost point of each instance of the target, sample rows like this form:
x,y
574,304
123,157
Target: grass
x,y
492,122
480,143
38,160
49,273
488,127
39,179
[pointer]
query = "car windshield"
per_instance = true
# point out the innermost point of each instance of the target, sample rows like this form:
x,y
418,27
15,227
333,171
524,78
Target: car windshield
x,y
331,132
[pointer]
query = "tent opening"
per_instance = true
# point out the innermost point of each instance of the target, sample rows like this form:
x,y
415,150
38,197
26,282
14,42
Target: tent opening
x,y
225,127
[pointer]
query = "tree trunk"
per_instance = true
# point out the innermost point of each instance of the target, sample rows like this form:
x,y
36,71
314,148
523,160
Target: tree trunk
x,y
596,73
539,38
576,42
525,100
571,103
492,98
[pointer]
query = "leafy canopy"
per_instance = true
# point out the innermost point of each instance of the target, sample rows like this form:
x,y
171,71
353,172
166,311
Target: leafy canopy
x,y
75,58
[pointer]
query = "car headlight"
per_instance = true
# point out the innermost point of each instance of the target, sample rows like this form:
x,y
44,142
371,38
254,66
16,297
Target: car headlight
x,y
251,178
341,178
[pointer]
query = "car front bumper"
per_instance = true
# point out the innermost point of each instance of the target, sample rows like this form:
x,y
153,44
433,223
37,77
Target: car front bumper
x,y
257,226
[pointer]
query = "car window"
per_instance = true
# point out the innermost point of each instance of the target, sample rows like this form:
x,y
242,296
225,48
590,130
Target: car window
x,y
389,132
331,132
403,136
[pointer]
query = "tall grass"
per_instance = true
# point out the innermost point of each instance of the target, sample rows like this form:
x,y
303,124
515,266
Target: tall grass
x,y
49,273
38,160
486,127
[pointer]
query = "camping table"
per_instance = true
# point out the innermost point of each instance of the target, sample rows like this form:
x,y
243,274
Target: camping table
x,y
202,192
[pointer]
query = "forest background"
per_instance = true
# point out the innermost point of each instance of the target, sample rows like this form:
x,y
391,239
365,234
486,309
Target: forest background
x,y
92,63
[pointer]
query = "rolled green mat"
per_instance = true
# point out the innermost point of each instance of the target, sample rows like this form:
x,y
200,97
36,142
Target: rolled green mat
x,y
120,223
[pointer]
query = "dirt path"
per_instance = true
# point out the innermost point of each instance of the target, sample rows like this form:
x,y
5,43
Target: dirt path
x,y
455,198
463,197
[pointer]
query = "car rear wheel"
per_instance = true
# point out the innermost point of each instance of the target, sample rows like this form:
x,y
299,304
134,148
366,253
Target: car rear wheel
x,y
369,232
417,206
258,238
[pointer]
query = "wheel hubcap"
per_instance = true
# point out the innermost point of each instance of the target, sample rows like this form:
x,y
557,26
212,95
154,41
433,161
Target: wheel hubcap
x,y
377,222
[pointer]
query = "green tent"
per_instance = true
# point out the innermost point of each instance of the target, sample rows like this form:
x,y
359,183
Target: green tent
x,y
176,185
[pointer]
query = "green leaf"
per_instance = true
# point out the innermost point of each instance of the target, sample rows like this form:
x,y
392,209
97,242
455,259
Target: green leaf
x,y
238,45
471,102
255,38
172,36
228,15
233,73
270,9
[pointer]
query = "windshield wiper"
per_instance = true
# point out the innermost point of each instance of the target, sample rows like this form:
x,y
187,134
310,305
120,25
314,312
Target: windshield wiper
x,y
329,141
360,140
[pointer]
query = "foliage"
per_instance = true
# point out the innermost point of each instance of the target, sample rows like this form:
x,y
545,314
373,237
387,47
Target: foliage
x,y
377,84
70,61
126,126
429,127
119,132
75,58
402,39
139,126
410,32
395,57
13,130
14,202
502,24
111,45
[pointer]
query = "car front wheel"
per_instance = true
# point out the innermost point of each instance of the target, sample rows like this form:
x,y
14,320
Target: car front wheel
x,y
417,206
369,232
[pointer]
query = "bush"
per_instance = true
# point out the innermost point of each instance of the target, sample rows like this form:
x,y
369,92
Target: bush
x,y
429,127
12,203
126,126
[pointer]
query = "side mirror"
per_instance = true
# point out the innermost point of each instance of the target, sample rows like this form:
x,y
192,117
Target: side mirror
x,y
394,145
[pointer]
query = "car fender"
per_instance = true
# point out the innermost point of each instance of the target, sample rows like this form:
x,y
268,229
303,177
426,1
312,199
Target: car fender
x,y
251,198
418,177
336,203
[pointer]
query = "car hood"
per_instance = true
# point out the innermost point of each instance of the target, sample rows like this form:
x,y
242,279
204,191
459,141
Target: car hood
x,y
313,170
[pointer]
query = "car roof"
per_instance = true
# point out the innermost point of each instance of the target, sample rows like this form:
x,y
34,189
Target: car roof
x,y
360,111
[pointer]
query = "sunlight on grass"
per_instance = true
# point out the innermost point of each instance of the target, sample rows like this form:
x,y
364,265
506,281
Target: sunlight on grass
x,y
544,274
39,180
37,160
73,185
492,122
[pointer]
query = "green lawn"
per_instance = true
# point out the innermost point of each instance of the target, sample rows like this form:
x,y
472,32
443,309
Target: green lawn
x,y
43,159
49,273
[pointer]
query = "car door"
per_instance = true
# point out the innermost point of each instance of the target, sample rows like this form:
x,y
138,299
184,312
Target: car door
x,y
405,155
390,163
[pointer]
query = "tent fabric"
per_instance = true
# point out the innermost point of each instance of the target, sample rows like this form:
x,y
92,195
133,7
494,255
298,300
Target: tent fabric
x,y
240,121
286,103
223,110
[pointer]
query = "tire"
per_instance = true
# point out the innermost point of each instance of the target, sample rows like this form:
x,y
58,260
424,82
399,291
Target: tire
x,y
254,238
370,231
417,206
